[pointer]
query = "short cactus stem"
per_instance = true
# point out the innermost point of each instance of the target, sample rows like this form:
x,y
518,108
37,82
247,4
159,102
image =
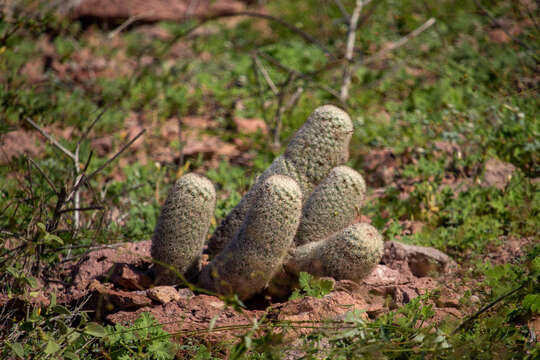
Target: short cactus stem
x,y
249,261
350,254
182,228
318,146
334,204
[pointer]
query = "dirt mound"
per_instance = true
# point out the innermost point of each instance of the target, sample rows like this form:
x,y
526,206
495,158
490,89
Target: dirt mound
x,y
116,283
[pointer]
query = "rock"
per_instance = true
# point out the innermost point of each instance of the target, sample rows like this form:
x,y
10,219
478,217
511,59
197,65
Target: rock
x,y
497,173
99,264
194,314
330,307
163,294
120,300
129,277
448,302
421,260
383,275
155,10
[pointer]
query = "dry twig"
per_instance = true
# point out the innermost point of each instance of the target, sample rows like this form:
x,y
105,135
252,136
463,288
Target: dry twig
x,y
349,51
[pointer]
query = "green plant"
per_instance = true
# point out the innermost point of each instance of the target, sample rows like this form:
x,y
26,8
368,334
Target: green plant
x,y
311,286
144,339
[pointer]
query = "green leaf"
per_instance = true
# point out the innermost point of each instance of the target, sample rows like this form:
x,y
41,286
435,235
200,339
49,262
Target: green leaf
x,y
95,329
42,228
59,309
32,281
18,349
71,355
532,302
326,286
50,238
52,348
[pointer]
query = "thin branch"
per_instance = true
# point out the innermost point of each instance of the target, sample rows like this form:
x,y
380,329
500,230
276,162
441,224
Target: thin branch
x,y
180,144
298,74
128,144
397,44
280,110
49,181
349,50
89,128
486,308
344,11
125,24
88,208
294,99
265,75
51,139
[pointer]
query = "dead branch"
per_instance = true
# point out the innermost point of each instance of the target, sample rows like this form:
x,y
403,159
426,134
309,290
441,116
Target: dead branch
x,y
342,9
51,139
397,44
349,50
49,181
128,144
265,75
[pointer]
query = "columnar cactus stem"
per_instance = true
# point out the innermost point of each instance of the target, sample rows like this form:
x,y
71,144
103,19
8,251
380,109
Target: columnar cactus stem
x,y
319,145
249,261
182,228
350,254
333,205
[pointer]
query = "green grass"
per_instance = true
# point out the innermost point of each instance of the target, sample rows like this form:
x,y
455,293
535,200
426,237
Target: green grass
x,y
452,83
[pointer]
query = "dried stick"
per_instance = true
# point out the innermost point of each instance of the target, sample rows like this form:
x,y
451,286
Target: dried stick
x,y
51,139
342,9
280,110
349,50
298,74
128,144
397,44
49,181
487,307
265,75
125,24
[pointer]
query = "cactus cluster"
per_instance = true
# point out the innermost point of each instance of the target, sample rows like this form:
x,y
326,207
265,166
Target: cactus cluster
x,y
300,215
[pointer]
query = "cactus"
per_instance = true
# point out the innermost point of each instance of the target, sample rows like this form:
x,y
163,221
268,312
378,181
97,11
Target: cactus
x,y
182,227
318,146
248,262
333,205
350,254
304,199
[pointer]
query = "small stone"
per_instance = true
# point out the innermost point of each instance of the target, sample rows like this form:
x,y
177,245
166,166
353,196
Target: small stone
x,y
448,302
120,299
497,173
163,294
129,277
422,260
